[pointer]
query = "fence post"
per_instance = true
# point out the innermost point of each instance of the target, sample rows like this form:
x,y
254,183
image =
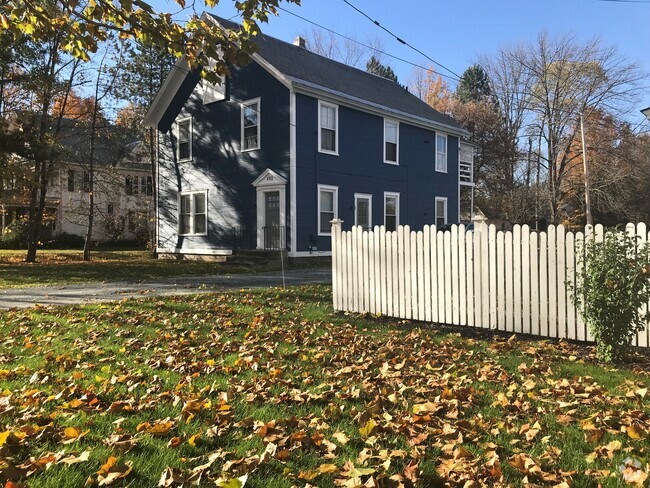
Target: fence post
x,y
336,264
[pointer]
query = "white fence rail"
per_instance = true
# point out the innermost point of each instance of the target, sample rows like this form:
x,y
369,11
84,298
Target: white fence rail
x,y
514,281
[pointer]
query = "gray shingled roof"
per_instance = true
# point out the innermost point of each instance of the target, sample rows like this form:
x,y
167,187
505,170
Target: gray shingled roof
x,y
302,64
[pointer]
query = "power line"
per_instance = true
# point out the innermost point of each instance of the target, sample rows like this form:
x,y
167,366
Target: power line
x,y
316,24
400,40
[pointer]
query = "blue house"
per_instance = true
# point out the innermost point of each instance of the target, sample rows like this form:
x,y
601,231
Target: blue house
x,y
269,157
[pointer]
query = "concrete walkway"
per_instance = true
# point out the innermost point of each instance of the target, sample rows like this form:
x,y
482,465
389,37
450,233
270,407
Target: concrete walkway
x,y
112,291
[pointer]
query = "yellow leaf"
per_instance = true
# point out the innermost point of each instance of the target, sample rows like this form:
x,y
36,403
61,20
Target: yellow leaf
x,y
308,475
327,468
368,429
194,439
233,482
421,408
4,437
634,432
341,438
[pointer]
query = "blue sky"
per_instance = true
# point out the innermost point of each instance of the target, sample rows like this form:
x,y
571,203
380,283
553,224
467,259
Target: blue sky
x,y
454,33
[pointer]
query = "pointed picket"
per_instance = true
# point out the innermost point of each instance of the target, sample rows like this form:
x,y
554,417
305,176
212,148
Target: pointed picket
x,y
516,276
435,299
412,310
485,279
453,275
383,270
492,272
581,328
478,257
510,320
420,276
501,281
561,285
534,284
570,286
525,279
469,270
442,293
426,271
543,284
643,337
552,282
462,275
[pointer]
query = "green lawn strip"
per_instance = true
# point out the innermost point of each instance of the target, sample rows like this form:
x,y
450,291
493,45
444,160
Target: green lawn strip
x,y
67,267
278,367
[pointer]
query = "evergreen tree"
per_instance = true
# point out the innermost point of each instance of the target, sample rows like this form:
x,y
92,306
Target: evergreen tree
x,y
474,85
375,67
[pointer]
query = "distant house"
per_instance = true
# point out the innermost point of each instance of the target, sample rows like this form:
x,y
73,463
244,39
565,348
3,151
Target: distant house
x,y
123,188
293,140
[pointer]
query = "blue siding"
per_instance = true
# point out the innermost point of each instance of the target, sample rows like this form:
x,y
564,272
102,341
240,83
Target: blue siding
x,y
359,168
217,164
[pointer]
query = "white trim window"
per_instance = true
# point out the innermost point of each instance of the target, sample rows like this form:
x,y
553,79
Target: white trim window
x,y
391,211
328,203
391,141
363,210
184,139
441,212
441,153
250,125
193,213
328,128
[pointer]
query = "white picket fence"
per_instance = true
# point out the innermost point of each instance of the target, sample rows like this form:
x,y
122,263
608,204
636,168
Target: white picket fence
x,y
512,281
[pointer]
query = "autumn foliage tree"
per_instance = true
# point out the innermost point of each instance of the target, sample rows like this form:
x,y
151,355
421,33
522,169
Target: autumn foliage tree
x,y
81,27
76,107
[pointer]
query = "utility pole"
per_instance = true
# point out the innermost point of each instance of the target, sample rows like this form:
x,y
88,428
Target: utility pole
x,y
584,160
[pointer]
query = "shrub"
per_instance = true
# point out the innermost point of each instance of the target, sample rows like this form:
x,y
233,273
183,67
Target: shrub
x,y
610,291
14,236
67,241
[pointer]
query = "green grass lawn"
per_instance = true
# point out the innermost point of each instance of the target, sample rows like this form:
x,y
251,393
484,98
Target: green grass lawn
x,y
275,386
67,267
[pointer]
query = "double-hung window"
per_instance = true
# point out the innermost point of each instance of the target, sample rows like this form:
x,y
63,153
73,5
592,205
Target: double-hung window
x,y
391,144
327,208
184,138
78,180
193,213
363,210
441,211
250,125
441,153
328,123
391,211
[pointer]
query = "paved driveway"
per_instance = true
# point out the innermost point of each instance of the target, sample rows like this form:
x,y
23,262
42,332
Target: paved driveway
x,y
106,292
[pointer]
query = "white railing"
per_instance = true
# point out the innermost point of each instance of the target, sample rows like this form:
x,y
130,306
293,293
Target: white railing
x,y
514,281
466,172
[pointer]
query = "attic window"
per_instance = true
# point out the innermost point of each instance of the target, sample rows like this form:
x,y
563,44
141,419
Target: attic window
x,y
184,136
250,125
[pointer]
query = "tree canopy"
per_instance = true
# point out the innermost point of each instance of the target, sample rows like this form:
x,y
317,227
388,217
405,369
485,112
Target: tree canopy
x,y
376,67
82,26
474,85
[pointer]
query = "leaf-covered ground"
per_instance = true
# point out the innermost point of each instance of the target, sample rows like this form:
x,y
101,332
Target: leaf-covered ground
x,y
273,389
67,267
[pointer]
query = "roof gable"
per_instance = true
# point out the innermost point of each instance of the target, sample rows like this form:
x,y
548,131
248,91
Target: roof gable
x,y
299,68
